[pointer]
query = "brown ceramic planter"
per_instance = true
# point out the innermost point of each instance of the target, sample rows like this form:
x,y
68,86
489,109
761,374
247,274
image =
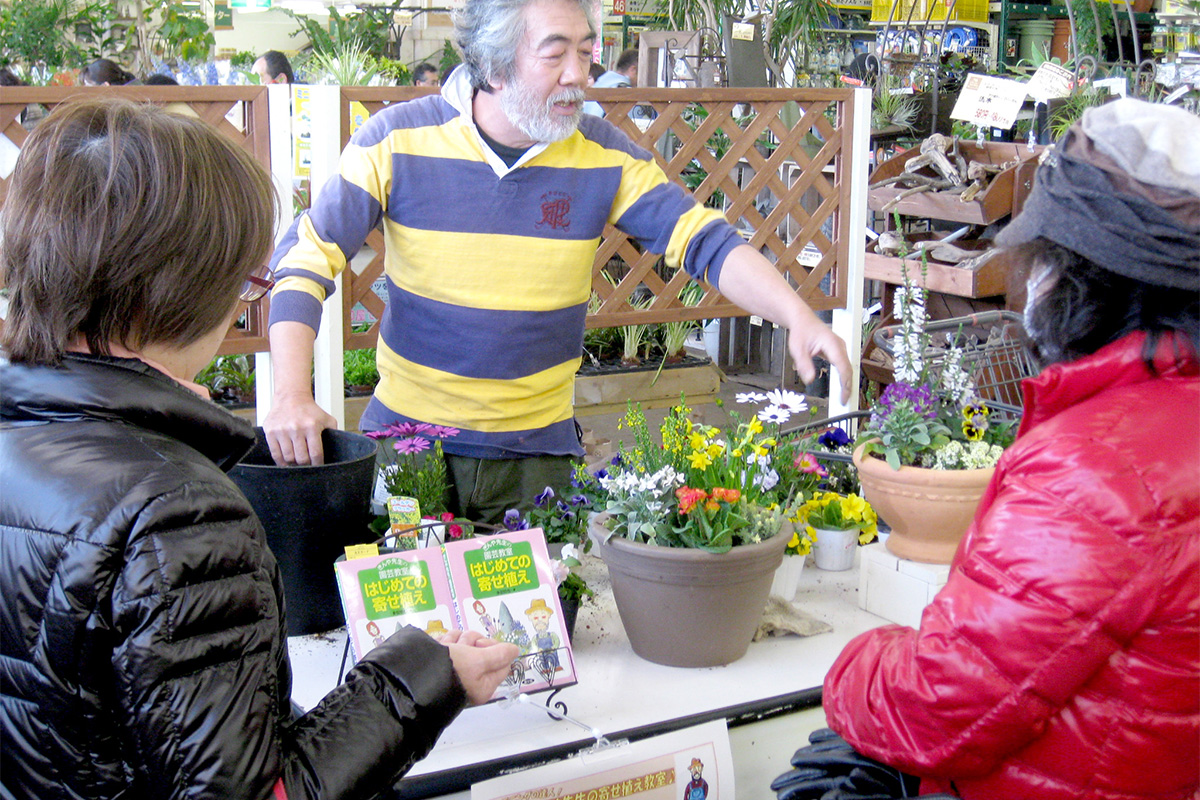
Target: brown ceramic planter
x,y
688,608
928,510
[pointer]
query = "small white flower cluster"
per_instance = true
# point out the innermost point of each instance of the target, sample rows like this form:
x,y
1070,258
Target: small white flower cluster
x,y
971,455
781,404
908,353
630,484
956,382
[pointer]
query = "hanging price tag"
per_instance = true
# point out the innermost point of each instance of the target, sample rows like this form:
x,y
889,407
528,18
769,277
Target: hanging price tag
x,y
986,100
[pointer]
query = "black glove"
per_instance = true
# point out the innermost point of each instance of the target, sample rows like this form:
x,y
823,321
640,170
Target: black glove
x,y
830,769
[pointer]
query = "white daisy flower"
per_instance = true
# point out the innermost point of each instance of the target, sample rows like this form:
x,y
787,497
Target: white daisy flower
x,y
784,398
774,414
749,397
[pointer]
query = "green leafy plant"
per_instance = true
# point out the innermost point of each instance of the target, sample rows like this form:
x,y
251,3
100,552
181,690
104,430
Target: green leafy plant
x,y
411,463
55,32
1086,16
360,368
347,64
182,33
229,377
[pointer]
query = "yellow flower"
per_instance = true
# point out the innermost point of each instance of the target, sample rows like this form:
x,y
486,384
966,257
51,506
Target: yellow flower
x,y
795,542
715,450
700,460
737,453
754,426
760,451
853,507
697,440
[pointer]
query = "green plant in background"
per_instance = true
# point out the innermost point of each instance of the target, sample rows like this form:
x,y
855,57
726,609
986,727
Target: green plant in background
x,y
182,33
891,108
393,71
348,64
1085,19
675,334
359,367
449,59
1079,101
229,377
359,29
63,33
243,59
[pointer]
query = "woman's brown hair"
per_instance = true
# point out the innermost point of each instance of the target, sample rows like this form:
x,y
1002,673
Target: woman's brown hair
x,y
126,223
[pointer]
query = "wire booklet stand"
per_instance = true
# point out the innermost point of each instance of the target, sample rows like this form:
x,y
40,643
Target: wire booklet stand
x,y
543,662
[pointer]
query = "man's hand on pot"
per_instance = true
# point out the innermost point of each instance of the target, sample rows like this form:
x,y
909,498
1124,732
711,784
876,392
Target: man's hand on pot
x,y
293,430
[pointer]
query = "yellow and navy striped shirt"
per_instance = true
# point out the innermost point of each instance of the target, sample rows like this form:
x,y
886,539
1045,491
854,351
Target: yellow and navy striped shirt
x,y
488,268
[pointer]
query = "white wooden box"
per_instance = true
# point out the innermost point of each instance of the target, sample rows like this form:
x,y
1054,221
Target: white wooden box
x,y
895,588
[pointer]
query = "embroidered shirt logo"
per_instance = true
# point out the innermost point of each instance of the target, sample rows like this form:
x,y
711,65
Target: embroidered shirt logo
x,y
555,208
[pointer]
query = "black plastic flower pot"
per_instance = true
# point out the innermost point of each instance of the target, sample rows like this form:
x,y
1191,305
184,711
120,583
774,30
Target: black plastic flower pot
x,y
310,514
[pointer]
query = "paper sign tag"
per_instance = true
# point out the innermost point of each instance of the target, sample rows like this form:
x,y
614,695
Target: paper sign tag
x,y
404,514
743,31
1050,81
354,551
986,100
1116,86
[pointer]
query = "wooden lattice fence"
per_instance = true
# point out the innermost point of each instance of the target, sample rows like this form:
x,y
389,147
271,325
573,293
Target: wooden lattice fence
x,y
213,104
777,160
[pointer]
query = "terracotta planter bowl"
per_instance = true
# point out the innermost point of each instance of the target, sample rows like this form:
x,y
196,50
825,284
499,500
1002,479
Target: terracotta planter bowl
x,y
689,608
928,510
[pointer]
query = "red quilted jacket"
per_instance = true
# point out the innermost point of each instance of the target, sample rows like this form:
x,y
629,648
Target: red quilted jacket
x,y
1062,659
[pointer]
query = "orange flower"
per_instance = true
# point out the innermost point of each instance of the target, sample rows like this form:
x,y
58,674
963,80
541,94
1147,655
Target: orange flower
x,y
728,495
689,497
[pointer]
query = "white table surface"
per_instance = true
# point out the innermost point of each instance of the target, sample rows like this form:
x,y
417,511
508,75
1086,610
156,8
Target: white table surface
x,y
618,690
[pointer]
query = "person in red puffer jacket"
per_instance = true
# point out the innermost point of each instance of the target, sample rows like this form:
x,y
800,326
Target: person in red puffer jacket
x,y
1062,658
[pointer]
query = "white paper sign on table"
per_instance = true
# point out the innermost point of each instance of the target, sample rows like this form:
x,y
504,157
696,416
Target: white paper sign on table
x,y
691,764
986,100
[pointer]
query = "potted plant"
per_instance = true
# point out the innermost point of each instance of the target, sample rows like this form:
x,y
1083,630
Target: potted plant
x,y
930,447
695,524
410,464
837,524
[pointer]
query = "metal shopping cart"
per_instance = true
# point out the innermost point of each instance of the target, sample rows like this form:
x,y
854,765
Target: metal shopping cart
x,y
994,353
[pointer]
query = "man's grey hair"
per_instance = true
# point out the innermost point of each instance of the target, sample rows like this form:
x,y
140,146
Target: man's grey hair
x,y
489,32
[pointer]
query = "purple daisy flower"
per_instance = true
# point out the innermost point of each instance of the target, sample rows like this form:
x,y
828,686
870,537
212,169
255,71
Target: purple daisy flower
x,y
411,445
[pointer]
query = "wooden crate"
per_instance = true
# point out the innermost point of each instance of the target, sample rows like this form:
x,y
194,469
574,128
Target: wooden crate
x,y
987,280
607,393
988,206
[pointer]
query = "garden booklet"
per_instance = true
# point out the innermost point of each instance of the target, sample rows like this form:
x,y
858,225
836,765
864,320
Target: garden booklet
x,y
501,586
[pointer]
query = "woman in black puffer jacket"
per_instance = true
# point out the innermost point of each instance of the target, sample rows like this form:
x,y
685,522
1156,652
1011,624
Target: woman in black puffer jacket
x,y
144,650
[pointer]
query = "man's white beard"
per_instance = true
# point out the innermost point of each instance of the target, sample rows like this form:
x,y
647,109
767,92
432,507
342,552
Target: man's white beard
x,y
536,118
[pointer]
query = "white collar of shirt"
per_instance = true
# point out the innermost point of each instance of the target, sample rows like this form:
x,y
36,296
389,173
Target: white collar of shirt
x,y
458,92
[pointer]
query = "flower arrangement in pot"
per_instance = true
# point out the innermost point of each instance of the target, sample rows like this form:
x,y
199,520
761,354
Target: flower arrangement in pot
x,y
837,524
563,518
931,444
695,522
411,465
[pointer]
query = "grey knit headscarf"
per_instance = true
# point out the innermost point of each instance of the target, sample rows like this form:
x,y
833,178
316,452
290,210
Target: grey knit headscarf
x,y
1122,189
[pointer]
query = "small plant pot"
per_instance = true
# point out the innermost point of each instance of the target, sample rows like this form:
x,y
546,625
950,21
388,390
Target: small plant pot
x,y
787,577
833,550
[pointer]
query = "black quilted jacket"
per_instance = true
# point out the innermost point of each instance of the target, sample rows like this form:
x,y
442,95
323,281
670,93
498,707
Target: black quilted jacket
x,y
144,651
